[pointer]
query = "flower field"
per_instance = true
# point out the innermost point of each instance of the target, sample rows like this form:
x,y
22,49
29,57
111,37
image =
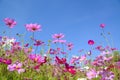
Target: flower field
x,y
38,60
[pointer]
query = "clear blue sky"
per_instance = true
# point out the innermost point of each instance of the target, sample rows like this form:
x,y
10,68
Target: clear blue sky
x,y
78,19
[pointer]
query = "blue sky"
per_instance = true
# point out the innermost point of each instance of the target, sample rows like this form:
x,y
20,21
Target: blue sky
x,y
78,19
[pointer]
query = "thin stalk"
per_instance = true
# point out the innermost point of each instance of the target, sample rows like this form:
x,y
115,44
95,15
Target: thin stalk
x,y
105,37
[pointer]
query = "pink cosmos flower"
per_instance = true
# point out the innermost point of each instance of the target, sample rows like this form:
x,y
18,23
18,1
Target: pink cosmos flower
x,y
69,46
99,61
16,67
113,49
91,42
53,51
37,58
102,25
74,59
38,43
10,22
100,48
91,74
58,36
26,45
82,58
33,27
15,47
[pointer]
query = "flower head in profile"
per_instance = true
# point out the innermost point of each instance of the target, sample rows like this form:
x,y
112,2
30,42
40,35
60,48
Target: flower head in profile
x,y
10,22
60,61
91,42
102,25
58,36
53,51
33,27
38,43
69,46
74,59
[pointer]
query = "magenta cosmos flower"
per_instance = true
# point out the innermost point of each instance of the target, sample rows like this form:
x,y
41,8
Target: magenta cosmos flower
x,y
102,25
10,22
60,60
5,61
70,69
33,27
91,42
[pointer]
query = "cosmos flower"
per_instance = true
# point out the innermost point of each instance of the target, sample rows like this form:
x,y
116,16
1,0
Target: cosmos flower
x,y
102,25
16,67
5,61
58,36
7,42
91,42
74,59
91,74
10,22
33,27
69,46
70,69
38,43
106,75
82,58
37,58
60,61
53,51
98,61
100,48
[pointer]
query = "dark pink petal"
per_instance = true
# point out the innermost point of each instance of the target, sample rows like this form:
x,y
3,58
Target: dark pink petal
x,y
91,42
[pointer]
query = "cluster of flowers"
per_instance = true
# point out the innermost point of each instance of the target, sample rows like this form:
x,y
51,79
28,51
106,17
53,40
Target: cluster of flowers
x,y
23,59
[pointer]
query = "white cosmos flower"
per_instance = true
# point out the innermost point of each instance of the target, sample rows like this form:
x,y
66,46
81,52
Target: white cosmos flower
x,y
7,42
